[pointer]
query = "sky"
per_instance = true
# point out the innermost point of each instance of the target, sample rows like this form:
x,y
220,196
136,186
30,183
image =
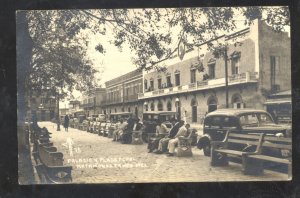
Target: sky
x,y
115,62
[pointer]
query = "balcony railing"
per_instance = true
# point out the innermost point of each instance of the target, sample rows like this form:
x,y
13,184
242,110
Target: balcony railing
x,y
130,98
112,101
201,85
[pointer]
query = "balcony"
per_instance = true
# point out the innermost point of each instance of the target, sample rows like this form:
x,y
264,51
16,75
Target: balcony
x,y
112,101
131,98
247,77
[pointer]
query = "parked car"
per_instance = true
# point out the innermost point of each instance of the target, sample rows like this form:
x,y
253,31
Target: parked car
x,y
101,128
107,128
115,117
150,120
245,121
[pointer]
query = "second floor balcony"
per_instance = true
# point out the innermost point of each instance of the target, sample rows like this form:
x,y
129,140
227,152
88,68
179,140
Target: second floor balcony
x,y
248,77
131,98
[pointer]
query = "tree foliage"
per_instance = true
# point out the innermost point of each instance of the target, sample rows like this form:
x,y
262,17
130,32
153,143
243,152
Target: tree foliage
x,y
59,61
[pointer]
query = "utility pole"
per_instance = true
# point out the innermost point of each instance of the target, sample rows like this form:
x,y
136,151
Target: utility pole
x,y
57,103
226,75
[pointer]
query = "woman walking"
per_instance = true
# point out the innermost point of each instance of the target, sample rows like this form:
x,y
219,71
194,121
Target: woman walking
x,y
66,122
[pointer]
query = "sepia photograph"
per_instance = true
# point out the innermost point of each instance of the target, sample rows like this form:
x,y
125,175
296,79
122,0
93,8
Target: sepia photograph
x,y
154,95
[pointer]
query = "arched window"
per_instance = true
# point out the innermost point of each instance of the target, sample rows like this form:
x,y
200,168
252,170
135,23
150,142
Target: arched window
x,y
146,107
169,106
237,101
115,110
159,106
152,106
129,110
212,103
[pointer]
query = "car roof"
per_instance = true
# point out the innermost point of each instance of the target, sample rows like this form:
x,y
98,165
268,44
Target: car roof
x,y
234,112
161,112
121,113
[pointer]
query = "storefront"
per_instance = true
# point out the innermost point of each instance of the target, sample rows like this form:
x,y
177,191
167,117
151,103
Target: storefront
x,y
279,105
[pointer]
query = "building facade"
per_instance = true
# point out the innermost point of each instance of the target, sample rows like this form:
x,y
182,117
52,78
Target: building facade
x,y
122,94
258,62
42,106
75,108
92,101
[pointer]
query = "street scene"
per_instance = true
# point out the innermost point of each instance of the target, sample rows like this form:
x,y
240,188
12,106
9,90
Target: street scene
x,y
154,95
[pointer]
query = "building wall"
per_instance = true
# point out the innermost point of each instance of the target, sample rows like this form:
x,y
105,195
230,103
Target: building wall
x,y
43,106
274,44
122,93
247,64
249,94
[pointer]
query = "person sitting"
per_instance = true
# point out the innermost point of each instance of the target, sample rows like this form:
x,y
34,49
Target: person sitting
x,y
163,143
183,132
137,125
161,131
126,135
119,132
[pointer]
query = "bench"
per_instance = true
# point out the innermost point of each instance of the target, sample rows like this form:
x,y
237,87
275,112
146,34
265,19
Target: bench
x,y
50,164
255,161
233,146
184,148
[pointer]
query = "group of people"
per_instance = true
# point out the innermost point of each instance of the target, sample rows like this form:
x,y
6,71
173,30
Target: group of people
x,y
165,141
124,130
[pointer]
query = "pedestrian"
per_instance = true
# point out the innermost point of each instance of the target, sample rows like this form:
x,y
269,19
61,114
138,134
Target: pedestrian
x,y
66,123
183,132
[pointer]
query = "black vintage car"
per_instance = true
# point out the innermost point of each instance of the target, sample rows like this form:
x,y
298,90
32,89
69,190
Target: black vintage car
x,y
245,121
115,117
150,120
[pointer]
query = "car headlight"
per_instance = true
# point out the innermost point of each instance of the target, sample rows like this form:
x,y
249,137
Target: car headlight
x,y
279,135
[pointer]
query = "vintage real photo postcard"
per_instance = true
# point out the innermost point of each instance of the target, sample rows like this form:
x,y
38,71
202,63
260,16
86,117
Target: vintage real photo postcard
x,y
198,94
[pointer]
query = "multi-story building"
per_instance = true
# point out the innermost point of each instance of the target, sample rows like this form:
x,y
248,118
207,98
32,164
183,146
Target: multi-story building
x,y
63,111
75,107
122,94
258,63
92,101
43,106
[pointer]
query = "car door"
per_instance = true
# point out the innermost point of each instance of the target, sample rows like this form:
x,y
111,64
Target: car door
x,y
212,126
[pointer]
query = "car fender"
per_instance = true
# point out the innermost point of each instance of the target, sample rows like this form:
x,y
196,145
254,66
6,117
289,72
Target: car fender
x,y
204,139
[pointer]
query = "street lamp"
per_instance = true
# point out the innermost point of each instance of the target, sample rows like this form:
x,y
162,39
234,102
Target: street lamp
x,y
226,74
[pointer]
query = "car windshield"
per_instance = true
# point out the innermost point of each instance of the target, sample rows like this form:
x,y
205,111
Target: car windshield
x,y
254,119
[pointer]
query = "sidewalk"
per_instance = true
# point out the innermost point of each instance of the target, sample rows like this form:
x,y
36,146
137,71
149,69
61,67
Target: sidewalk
x,y
97,159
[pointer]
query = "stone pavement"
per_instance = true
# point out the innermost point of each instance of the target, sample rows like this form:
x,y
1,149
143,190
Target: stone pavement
x,y
97,159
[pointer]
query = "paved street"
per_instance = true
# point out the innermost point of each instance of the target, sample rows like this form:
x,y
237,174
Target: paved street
x,y
97,159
